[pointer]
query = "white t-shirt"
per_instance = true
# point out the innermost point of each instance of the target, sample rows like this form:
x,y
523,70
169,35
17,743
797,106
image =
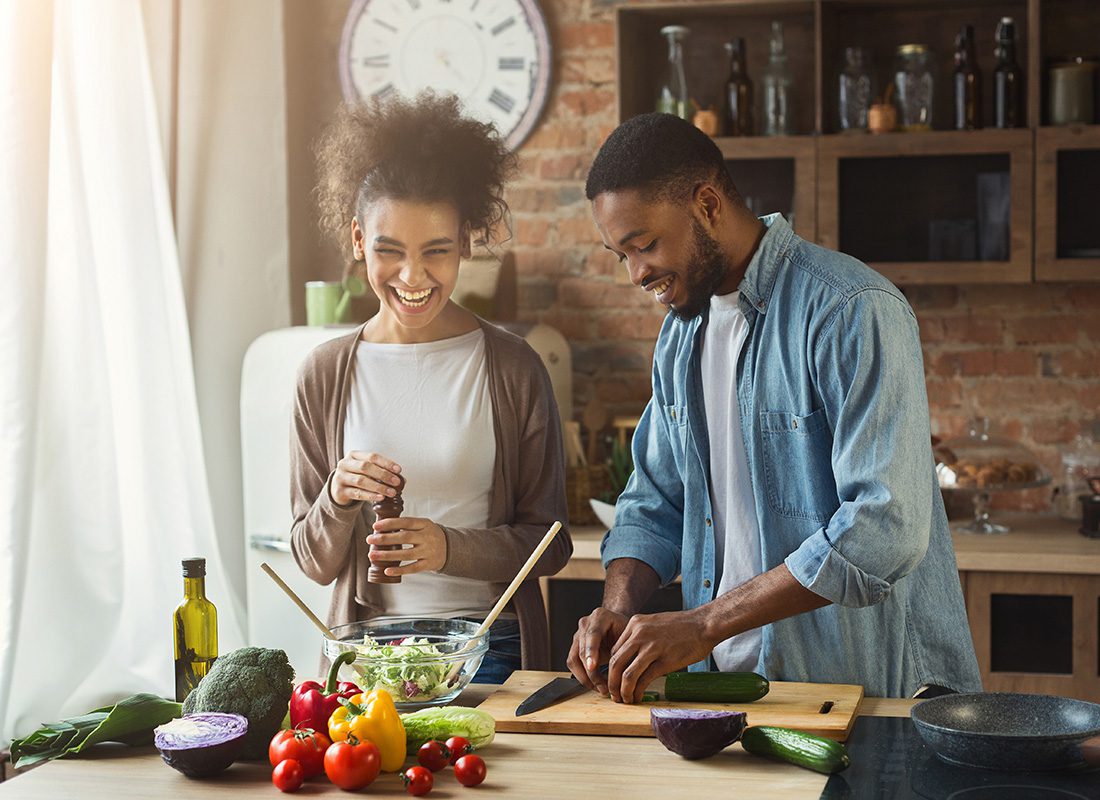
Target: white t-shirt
x,y
736,531
427,406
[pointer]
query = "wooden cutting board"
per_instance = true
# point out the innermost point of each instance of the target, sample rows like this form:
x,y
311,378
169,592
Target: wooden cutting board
x,y
790,705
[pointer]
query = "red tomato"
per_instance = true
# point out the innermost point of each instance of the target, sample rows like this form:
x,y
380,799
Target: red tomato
x,y
459,746
470,770
305,746
417,780
434,755
288,776
352,766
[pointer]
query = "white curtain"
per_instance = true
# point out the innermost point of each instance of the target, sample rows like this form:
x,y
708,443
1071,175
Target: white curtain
x,y
102,484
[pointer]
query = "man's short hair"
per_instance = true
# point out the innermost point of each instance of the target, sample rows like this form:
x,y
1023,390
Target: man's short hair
x,y
660,155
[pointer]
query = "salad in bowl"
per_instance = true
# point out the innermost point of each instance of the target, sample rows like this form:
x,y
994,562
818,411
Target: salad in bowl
x,y
420,661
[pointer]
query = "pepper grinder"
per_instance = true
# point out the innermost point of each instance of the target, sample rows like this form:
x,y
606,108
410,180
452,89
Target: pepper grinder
x,y
387,508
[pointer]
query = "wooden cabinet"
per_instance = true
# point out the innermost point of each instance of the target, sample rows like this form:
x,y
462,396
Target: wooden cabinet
x,y
1036,633
1067,222
919,207
915,207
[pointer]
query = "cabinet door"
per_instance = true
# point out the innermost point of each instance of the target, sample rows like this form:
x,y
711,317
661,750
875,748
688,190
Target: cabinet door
x,y
1067,172
1036,632
937,207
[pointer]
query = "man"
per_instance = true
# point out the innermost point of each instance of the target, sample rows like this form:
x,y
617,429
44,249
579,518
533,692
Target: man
x,y
782,466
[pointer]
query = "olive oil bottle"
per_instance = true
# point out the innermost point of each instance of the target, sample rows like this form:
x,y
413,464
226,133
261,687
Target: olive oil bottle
x,y
195,629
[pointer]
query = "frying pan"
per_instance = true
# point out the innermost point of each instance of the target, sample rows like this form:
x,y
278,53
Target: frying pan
x,y
1001,730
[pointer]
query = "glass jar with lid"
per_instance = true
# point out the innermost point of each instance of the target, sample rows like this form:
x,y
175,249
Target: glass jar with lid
x,y
913,87
980,464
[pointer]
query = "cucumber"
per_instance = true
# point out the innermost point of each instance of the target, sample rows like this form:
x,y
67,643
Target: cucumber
x,y
796,747
715,687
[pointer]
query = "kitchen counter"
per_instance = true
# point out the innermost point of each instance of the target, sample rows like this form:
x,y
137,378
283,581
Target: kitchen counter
x,y
519,765
1036,543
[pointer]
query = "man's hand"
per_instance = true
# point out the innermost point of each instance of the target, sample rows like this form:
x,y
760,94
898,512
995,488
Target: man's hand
x,y
428,549
653,645
592,644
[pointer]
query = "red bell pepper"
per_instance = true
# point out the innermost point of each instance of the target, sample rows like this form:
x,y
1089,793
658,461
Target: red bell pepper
x,y
311,704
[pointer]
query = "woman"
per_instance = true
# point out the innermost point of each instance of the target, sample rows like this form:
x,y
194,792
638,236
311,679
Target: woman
x,y
425,391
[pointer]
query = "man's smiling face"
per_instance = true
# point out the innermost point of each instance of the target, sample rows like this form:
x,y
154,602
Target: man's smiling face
x,y
666,248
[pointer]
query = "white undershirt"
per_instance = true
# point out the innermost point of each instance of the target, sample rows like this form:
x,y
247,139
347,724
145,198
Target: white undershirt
x,y
736,532
427,406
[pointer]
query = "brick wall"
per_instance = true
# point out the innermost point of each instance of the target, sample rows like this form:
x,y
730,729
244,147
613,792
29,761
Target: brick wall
x,y
1028,356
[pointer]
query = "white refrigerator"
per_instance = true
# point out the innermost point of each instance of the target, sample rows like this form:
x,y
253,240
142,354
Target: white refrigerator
x,y
267,400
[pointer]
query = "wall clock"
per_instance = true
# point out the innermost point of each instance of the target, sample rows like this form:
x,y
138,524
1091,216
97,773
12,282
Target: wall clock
x,y
494,54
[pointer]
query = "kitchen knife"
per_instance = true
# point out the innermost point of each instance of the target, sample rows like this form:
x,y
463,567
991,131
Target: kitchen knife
x,y
554,692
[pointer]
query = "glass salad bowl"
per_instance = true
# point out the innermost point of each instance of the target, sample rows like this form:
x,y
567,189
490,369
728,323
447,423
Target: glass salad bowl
x,y
420,661
980,464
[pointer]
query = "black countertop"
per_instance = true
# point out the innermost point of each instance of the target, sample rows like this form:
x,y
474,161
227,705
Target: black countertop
x,y
891,762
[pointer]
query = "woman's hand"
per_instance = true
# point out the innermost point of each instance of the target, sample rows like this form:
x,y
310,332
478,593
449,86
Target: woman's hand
x,y
429,544
364,477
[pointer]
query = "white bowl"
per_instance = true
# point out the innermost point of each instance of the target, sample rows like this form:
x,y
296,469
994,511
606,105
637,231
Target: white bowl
x,y
605,511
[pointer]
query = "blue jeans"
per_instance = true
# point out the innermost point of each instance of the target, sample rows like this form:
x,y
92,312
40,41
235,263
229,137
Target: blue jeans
x,y
503,657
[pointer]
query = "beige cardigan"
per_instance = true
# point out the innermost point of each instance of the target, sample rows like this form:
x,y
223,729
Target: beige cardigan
x,y
528,492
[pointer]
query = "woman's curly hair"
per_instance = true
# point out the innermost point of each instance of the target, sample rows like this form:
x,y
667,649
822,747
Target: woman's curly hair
x,y
422,150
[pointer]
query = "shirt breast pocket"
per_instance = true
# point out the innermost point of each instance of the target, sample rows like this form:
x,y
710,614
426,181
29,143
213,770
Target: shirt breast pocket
x,y
798,468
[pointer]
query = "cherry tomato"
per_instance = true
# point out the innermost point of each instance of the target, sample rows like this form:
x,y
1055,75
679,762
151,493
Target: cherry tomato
x,y
288,776
470,770
417,780
459,746
306,746
352,765
434,755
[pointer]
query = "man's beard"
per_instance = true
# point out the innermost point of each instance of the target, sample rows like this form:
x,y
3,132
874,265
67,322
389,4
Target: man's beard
x,y
707,269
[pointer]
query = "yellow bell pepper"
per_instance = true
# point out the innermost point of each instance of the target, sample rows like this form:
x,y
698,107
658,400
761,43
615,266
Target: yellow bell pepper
x,y
371,716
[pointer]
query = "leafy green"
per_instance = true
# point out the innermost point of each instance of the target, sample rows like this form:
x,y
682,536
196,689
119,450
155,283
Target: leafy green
x,y
130,721
621,467
441,723
410,671
254,682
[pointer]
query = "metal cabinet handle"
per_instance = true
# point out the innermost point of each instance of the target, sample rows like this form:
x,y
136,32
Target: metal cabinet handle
x,y
260,542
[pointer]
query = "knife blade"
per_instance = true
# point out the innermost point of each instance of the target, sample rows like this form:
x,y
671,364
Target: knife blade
x,y
554,692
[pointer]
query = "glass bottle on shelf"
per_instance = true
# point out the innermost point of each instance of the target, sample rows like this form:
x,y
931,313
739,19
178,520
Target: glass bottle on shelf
x,y
673,98
1007,78
195,629
968,82
854,100
778,116
913,87
738,100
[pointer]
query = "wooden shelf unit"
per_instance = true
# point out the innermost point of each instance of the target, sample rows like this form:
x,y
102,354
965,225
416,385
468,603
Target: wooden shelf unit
x,y
816,33
1050,143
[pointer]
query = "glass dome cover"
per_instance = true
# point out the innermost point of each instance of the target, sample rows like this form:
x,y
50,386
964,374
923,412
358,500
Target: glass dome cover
x,y
979,462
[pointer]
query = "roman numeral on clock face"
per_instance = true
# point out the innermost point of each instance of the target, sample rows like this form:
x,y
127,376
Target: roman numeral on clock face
x,y
511,63
382,60
384,92
501,27
502,101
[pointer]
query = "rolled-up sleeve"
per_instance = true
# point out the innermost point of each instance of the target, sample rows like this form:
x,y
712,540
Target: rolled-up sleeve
x,y
871,378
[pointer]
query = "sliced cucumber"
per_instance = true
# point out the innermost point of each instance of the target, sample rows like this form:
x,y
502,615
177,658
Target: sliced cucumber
x,y
796,747
715,687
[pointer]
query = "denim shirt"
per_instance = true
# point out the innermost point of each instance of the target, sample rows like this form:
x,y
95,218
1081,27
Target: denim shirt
x,y
830,388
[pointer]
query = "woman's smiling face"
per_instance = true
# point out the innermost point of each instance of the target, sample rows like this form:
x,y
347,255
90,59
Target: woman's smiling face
x,y
412,252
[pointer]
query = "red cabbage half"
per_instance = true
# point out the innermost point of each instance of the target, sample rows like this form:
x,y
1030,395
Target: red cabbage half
x,y
201,745
695,733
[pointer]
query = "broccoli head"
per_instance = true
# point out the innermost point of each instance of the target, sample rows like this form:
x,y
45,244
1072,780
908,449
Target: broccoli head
x,y
253,681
